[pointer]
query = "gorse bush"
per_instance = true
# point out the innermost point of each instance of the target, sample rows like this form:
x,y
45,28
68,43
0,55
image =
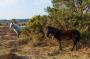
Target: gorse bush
x,y
37,25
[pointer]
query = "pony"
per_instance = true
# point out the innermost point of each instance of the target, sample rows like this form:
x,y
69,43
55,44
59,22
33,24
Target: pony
x,y
64,34
16,28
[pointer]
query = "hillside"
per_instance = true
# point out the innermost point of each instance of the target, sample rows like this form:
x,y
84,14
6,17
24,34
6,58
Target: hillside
x,y
17,20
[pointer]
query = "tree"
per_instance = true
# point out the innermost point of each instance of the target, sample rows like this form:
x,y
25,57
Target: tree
x,y
69,13
36,24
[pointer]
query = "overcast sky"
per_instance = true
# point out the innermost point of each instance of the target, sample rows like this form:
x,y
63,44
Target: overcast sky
x,y
22,8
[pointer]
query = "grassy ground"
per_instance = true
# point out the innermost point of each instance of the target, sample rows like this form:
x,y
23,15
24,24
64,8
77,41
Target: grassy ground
x,y
46,49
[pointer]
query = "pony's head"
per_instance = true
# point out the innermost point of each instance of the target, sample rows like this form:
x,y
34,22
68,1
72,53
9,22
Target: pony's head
x,y
11,25
15,28
50,31
53,31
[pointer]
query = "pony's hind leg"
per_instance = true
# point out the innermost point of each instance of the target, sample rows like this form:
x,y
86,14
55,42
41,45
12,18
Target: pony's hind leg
x,y
76,41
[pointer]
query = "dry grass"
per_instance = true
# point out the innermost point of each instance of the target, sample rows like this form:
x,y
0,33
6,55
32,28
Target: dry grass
x,y
39,49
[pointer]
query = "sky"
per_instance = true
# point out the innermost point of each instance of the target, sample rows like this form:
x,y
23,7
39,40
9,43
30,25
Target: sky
x,y
20,9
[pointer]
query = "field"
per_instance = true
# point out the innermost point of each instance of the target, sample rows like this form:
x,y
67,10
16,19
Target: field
x,y
12,47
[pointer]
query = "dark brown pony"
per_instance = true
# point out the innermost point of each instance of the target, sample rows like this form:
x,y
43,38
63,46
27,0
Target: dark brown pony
x,y
64,34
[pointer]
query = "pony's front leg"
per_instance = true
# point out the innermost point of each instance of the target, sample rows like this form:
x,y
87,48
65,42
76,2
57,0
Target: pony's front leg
x,y
60,46
76,41
18,34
